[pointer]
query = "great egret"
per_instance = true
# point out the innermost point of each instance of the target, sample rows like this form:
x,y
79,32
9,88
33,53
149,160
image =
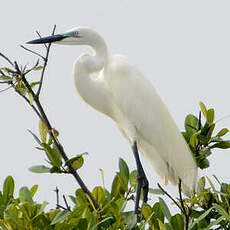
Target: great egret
x,y
122,92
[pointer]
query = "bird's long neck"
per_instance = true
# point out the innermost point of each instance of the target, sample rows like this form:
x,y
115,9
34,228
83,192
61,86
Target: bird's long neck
x,y
92,90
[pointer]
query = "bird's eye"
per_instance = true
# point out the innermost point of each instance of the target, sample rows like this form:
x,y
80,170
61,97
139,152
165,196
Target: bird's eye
x,y
77,34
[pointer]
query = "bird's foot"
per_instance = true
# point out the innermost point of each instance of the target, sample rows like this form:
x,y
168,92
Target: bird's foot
x,y
142,183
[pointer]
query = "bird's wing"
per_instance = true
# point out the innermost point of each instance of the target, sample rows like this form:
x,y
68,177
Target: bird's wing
x,y
135,101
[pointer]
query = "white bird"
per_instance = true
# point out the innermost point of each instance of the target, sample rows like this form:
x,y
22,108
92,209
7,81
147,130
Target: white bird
x,y
123,93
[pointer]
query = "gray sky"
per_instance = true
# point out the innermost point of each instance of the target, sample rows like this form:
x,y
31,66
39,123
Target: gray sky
x,y
183,47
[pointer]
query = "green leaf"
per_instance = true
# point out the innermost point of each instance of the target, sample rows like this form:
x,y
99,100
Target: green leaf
x,y
211,184
186,136
215,139
210,116
124,170
204,163
147,212
55,169
193,140
42,208
203,109
25,195
107,219
191,124
119,186
201,217
156,191
82,224
38,68
201,185
99,194
39,169
35,137
123,183
1,201
9,213
222,132
5,78
177,222
203,140
165,209
216,222
61,216
158,213
33,84
116,186
8,189
52,155
8,70
81,198
133,179
161,225
129,219
205,129
210,131
31,98
121,203
73,199
33,190
205,152
43,131
221,211
221,145
77,161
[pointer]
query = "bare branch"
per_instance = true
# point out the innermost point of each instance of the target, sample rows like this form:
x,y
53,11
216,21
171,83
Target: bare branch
x,y
45,64
28,101
170,197
7,59
29,70
57,196
1,72
66,204
33,52
186,214
3,90
39,35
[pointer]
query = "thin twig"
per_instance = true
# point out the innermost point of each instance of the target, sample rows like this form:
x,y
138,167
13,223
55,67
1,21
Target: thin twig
x,y
62,207
45,64
5,82
29,70
7,59
199,121
33,52
1,72
39,35
186,214
66,204
3,90
169,196
57,197
28,101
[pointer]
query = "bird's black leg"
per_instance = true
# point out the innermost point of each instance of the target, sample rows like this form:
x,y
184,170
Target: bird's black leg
x,y
142,182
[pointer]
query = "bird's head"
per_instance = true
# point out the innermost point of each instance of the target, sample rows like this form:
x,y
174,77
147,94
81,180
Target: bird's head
x,y
75,36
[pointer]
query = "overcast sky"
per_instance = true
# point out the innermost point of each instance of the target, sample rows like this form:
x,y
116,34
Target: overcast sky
x,y
183,47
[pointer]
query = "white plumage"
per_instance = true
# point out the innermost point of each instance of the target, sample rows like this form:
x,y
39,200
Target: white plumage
x,y
124,94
